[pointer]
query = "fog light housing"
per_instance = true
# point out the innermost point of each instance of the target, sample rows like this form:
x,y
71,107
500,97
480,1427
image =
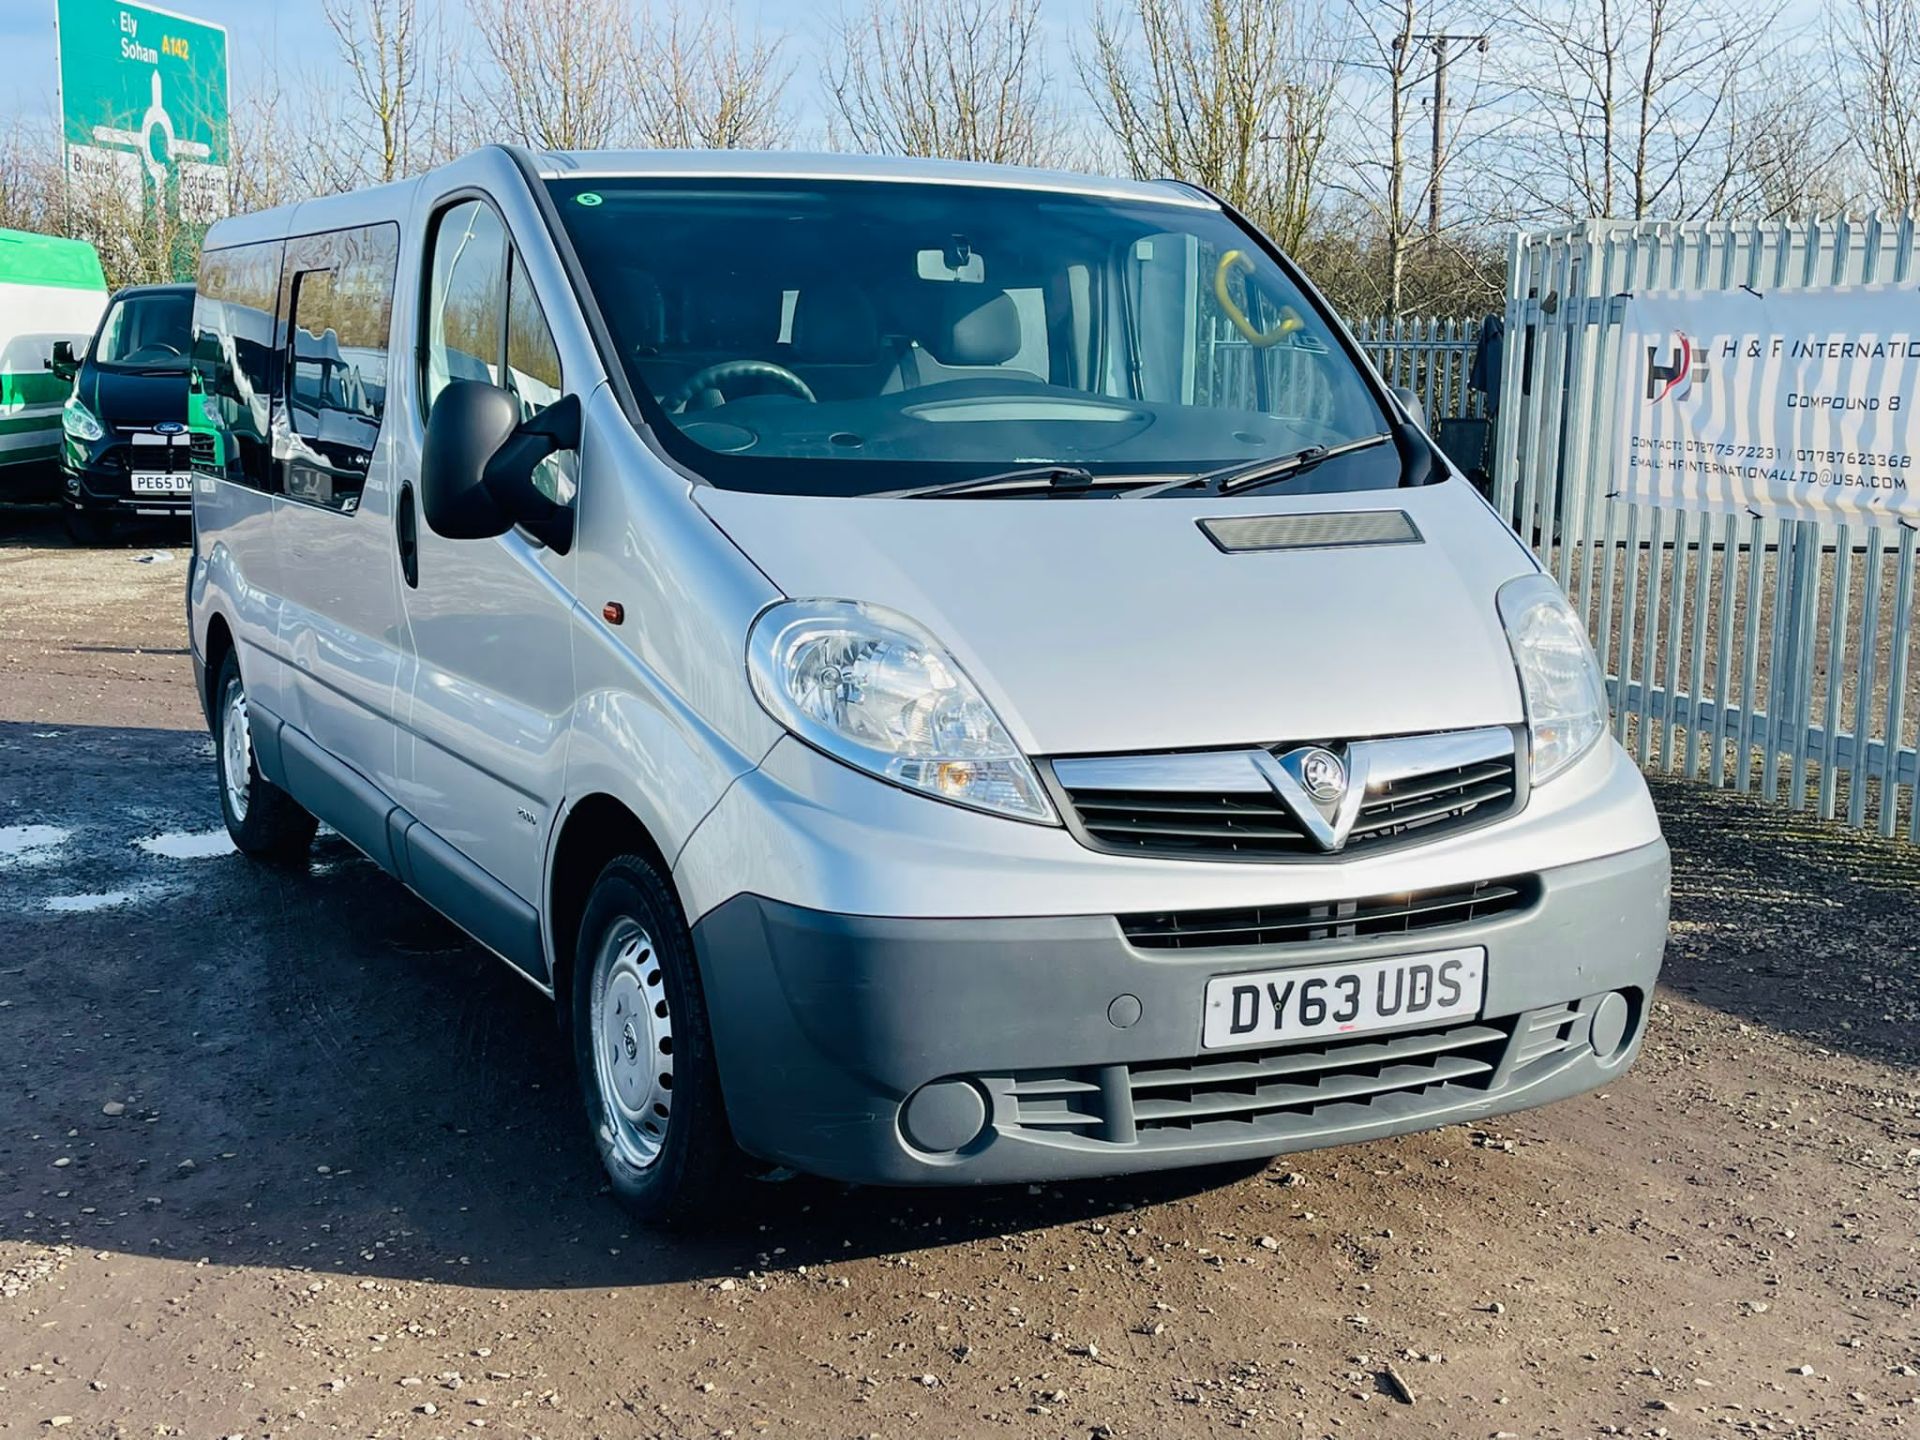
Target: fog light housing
x,y
1612,1026
944,1116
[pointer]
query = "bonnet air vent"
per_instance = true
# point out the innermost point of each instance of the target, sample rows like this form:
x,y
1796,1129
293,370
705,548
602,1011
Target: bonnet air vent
x,y
1338,530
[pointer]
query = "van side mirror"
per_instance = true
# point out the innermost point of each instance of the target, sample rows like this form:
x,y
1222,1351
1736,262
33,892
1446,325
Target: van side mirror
x,y
1412,405
477,463
63,364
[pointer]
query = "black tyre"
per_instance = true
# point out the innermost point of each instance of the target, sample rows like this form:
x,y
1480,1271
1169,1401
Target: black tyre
x,y
644,1052
261,817
89,527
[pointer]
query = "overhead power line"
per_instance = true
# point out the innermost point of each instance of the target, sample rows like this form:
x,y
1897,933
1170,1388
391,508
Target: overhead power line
x,y
1443,47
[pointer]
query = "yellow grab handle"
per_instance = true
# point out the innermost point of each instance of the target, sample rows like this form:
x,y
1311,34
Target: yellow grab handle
x,y
1290,320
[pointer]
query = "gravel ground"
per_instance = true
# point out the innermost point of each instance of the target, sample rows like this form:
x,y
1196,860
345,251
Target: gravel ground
x,y
281,1155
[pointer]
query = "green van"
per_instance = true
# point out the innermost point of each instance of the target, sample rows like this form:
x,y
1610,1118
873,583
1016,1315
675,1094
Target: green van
x,y
52,292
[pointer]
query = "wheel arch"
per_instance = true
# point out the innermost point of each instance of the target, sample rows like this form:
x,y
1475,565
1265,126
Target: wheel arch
x,y
594,830
214,651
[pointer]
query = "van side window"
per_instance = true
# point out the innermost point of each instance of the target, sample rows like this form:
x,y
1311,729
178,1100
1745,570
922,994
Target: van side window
x,y
533,374
466,298
236,363
340,312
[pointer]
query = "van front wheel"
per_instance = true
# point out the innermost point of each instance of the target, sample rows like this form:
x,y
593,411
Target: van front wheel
x,y
645,1053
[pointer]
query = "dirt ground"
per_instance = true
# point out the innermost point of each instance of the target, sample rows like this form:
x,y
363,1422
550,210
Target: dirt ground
x,y
281,1155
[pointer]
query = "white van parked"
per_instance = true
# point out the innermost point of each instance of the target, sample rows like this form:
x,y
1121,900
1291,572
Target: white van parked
x,y
52,293
945,674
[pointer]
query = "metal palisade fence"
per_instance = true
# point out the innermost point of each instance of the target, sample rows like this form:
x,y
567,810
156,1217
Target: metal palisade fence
x,y
1775,656
1431,357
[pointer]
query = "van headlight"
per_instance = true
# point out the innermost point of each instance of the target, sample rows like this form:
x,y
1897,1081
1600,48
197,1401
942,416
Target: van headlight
x,y
78,421
871,688
1560,680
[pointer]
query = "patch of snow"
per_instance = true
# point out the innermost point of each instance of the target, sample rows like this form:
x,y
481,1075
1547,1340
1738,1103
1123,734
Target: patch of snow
x,y
30,844
188,845
87,904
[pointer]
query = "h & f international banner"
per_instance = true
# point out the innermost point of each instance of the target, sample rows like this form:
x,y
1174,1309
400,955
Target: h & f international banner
x,y
1795,403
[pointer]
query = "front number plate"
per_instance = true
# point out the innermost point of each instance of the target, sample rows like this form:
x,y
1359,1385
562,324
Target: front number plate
x,y
162,483
1308,1001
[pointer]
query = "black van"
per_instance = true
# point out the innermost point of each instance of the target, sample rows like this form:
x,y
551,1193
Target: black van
x,y
125,445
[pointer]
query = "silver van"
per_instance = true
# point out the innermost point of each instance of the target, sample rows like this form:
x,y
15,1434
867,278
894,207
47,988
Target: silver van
x,y
943,674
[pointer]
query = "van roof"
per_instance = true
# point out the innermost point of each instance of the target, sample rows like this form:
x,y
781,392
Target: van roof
x,y
795,165
389,202
27,258
371,206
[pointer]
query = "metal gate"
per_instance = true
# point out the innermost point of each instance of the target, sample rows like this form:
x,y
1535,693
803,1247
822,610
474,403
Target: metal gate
x,y
1772,656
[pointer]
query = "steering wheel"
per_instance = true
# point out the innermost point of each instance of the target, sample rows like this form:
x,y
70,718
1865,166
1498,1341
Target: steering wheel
x,y
1290,320
715,377
158,350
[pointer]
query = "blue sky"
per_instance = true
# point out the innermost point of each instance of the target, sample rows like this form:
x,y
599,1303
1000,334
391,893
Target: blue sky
x,y
293,34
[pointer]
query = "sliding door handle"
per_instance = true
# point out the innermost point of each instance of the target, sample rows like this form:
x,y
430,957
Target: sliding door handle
x,y
406,532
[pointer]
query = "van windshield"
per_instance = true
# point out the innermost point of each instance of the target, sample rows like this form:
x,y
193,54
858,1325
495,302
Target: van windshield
x,y
147,332
844,337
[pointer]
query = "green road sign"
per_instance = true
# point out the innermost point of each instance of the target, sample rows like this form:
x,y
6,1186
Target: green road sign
x,y
143,97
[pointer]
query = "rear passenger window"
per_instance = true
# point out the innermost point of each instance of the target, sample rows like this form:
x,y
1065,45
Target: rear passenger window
x,y
466,301
236,363
340,313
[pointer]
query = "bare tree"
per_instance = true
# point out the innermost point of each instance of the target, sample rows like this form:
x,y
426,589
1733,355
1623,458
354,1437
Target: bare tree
x,y
1876,57
562,71
1378,170
31,180
1218,92
1398,61
1789,154
918,77
261,166
1642,102
379,45
701,84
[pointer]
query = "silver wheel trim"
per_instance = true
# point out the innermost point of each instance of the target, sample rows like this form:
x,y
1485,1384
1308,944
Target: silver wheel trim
x,y
236,751
632,1032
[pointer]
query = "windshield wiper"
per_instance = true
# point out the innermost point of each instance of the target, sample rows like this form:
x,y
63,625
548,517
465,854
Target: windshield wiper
x,y
1252,474
1026,480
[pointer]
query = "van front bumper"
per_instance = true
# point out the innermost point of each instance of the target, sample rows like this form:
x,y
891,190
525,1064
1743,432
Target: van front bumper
x,y
98,477
993,1050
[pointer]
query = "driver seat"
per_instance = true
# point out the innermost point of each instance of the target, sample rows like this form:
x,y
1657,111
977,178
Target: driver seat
x,y
969,331
726,317
836,346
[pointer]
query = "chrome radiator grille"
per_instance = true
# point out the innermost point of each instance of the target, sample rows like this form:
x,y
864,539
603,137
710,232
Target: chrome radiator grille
x,y
1219,805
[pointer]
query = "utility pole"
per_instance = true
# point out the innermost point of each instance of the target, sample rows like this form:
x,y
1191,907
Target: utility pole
x,y
1442,51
